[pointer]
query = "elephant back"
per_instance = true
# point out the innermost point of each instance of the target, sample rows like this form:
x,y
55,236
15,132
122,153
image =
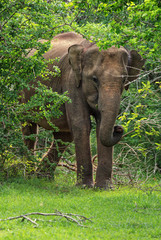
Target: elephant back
x,y
61,43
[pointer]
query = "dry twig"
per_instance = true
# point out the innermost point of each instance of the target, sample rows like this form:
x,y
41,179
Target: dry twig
x,y
78,219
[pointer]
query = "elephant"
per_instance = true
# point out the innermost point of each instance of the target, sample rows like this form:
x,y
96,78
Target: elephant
x,y
94,81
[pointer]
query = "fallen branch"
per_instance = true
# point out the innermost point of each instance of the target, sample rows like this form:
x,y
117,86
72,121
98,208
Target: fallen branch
x,y
30,220
78,219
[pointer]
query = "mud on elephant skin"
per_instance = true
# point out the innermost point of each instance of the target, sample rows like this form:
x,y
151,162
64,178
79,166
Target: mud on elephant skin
x,y
95,81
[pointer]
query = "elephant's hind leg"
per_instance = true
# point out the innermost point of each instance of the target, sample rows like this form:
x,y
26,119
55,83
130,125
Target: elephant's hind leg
x,y
51,158
27,130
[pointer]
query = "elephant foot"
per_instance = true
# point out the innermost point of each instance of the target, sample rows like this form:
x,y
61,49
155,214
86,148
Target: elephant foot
x,y
105,185
85,184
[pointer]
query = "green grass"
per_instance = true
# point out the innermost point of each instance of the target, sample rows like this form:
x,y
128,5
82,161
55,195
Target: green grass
x,y
123,213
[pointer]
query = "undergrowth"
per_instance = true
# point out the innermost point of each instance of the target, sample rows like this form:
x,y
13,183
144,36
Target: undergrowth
x,y
126,212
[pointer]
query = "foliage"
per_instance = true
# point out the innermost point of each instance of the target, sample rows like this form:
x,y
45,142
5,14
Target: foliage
x,y
140,116
22,24
131,24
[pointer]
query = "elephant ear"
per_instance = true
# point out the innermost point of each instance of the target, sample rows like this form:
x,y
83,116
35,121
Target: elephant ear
x,y
75,58
136,62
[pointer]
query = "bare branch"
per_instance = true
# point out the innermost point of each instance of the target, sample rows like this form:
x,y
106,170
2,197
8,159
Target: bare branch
x,y
67,166
78,219
30,220
129,132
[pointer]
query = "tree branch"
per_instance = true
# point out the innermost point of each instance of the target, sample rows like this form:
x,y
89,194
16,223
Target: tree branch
x,y
78,219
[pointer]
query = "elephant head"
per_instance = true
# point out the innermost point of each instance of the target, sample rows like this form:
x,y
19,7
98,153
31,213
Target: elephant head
x,y
102,76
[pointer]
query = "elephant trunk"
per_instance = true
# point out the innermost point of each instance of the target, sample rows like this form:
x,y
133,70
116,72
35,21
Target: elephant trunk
x,y
109,106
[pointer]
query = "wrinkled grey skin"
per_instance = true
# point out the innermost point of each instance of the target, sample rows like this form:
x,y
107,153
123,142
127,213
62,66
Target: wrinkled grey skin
x,y
94,80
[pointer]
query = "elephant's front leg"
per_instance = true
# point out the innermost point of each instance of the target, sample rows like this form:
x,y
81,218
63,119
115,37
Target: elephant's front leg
x,y
80,125
104,169
83,156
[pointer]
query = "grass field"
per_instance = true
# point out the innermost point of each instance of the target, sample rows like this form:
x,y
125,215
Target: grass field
x,y
123,213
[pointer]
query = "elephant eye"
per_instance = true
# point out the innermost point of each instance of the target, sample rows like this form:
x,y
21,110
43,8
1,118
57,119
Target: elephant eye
x,y
95,79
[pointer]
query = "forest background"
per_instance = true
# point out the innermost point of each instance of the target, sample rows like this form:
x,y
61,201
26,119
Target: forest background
x,y
132,24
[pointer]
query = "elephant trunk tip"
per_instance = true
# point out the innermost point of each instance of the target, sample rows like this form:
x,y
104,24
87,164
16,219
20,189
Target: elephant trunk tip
x,y
114,139
118,130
